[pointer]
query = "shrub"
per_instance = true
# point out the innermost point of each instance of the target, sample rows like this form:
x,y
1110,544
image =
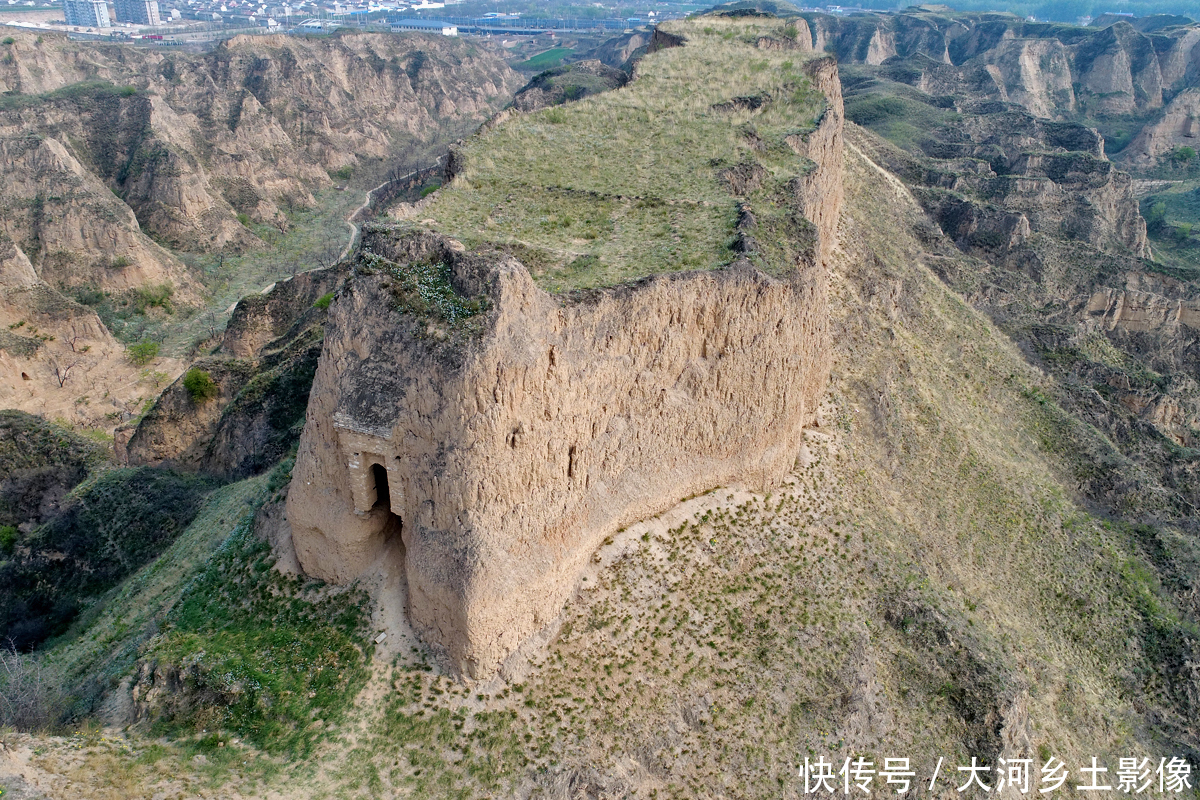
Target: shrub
x,y
342,173
142,353
89,295
1156,217
430,189
244,219
153,296
9,40
30,694
323,301
200,385
8,539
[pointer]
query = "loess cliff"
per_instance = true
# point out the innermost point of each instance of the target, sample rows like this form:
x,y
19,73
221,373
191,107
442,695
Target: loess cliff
x,y
118,160
495,432
1053,70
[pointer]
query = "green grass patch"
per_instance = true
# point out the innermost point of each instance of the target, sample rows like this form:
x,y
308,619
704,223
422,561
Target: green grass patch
x,y
545,60
903,121
275,659
84,94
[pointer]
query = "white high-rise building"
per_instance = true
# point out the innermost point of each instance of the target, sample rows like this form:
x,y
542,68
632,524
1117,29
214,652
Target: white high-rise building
x,y
139,12
87,13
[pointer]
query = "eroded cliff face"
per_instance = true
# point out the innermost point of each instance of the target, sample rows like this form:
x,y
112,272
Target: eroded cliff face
x,y
71,226
998,174
1052,70
509,458
111,154
502,450
252,127
1179,126
58,360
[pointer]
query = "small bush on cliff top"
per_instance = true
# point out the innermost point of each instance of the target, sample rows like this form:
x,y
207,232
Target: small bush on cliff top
x,y
424,289
199,385
323,301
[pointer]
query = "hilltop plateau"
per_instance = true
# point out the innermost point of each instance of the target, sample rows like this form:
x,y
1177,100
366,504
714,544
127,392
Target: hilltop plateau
x,y
690,429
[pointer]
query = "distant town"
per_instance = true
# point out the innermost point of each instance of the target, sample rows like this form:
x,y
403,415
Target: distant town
x,y
173,20
165,22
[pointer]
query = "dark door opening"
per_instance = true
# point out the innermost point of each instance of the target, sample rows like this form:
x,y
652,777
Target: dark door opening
x,y
382,497
395,595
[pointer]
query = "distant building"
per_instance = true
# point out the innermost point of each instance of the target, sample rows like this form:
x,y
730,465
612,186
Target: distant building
x,y
427,25
87,13
139,12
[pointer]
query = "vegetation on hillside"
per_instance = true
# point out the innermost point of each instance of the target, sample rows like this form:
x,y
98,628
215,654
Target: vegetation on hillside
x,y
271,658
1173,227
39,461
109,527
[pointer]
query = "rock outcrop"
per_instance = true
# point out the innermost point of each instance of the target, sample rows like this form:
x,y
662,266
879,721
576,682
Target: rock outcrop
x,y
504,464
263,372
502,448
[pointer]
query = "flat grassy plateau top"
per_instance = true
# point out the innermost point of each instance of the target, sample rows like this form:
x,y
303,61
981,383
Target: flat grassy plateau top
x,y
628,183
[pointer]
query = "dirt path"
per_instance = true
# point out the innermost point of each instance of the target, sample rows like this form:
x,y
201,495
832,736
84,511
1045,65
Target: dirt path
x,y
353,215
366,203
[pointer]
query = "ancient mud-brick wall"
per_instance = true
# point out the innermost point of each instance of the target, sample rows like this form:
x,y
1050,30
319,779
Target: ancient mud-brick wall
x,y
511,454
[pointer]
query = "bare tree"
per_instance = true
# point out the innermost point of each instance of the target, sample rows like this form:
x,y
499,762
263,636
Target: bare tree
x,y
63,372
30,697
74,342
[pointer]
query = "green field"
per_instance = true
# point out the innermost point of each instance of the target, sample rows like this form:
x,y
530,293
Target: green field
x,y
633,182
551,58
